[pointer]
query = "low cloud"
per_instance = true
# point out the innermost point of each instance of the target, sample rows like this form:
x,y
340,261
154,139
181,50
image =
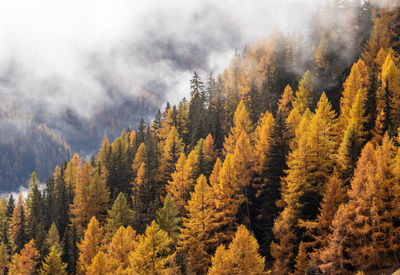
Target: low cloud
x,y
86,55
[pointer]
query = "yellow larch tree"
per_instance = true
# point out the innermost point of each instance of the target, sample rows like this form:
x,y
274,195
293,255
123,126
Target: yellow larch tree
x,y
53,263
241,257
241,122
360,228
91,197
209,153
170,153
103,157
90,245
121,245
197,227
303,98
100,265
166,125
4,258
71,172
183,180
388,95
356,84
17,229
140,157
243,165
311,163
320,229
213,179
262,137
285,102
152,252
119,215
176,187
26,261
227,199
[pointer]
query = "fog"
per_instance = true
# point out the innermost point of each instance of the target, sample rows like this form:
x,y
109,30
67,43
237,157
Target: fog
x,y
86,55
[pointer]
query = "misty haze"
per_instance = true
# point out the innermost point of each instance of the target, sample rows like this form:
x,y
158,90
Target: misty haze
x,y
225,137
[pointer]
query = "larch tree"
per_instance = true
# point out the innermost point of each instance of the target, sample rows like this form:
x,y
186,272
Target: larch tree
x,y
320,229
293,121
285,102
183,180
303,98
141,199
348,153
26,261
53,263
333,259
191,170
284,248
71,173
91,197
103,157
152,252
90,245
4,258
99,266
311,163
177,187
241,122
166,125
214,176
227,198
4,222
359,242
18,231
220,262
210,154
119,215
370,212
140,157
197,227
53,238
122,244
243,165
170,153
241,257
356,85
262,137
301,260
388,95
168,219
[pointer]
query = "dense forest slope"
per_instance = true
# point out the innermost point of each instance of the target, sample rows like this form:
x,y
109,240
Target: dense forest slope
x,y
36,141
288,162
26,146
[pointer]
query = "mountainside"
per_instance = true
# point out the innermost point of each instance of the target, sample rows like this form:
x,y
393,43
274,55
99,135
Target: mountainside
x,y
27,146
288,162
36,142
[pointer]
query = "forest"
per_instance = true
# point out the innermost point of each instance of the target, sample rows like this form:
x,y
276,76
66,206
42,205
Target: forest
x,y
287,162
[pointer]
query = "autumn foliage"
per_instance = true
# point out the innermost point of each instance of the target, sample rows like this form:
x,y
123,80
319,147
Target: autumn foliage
x,y
283,164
